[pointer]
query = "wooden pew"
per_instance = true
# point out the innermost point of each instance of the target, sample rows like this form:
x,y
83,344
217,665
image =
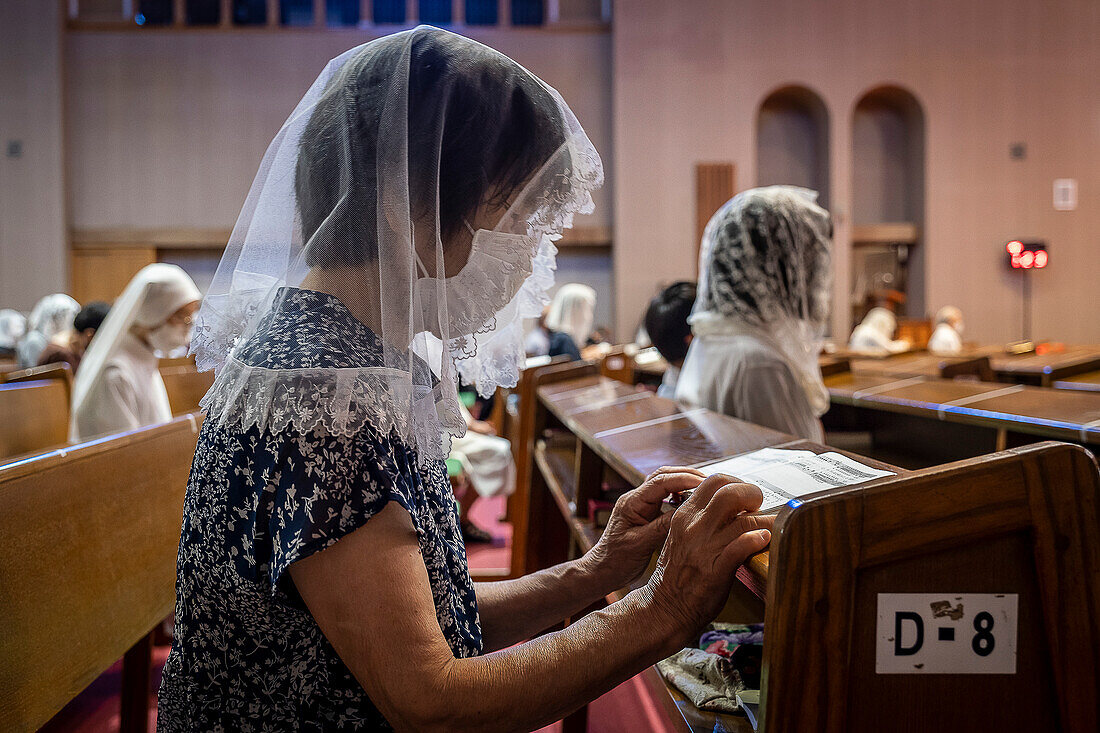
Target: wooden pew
x,y
185,386
1043,370
528,427
1087,382
59,371
923,364
937,420
618,364
34,417
88,542
829,364
507,416
1022,522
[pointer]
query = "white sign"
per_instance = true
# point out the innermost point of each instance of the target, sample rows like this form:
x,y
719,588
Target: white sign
x,y
946,633
1065,194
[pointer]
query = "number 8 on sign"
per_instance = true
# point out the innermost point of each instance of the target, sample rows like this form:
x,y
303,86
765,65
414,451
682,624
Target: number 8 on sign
x,y
983,640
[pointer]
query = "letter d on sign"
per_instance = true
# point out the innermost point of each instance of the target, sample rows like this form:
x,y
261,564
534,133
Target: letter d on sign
x,y
899,617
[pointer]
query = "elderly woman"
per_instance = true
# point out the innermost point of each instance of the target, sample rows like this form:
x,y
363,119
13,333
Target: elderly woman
x,y
69,347
51,316
119,386
573,312
760,312
875,334
322,582
947,336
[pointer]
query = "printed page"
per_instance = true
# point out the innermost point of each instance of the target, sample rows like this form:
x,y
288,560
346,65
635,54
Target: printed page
x,y
751,461
782,482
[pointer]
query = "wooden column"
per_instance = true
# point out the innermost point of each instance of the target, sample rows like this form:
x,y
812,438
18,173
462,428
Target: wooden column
x,y
714,186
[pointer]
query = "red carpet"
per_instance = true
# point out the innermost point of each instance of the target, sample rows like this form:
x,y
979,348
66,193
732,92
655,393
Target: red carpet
x,y
626,709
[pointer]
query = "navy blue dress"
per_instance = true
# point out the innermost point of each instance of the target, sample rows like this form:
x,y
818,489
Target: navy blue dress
x,y
248,656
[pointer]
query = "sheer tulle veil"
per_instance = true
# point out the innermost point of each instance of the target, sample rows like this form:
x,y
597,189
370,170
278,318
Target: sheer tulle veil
x,y
372,182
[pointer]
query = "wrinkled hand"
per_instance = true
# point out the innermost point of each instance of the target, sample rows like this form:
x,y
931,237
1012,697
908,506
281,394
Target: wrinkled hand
x,y
709,538
637,527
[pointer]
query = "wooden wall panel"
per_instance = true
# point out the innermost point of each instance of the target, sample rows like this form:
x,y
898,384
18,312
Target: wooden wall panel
x,y
714,186
102,274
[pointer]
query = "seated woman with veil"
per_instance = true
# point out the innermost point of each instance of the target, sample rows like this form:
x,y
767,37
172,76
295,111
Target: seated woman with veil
x,y
410,200
758,322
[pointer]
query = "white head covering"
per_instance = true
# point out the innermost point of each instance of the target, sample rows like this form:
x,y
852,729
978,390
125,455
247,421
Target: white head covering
x,y
390,153
948,313
573,311
51,316
765,271
876,332
946,338
13,325
152,296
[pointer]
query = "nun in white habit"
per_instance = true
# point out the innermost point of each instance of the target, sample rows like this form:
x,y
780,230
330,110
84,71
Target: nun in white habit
x,y
759,316
119,386
875,334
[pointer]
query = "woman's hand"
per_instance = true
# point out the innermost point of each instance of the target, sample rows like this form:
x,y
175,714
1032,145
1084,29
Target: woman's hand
x,y
637,527
711,535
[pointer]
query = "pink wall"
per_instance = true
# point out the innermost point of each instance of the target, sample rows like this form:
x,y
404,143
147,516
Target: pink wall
x,y
689,78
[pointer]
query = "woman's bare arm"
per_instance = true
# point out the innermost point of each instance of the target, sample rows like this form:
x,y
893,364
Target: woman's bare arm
x,y
370,595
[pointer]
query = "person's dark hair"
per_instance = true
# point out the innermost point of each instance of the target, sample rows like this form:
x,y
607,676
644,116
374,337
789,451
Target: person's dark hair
x,y
493,124
666,320
91,316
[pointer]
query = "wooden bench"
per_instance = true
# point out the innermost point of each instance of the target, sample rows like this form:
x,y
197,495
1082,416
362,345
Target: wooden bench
x,y
88,543
523,439
34,417
936,420
1087,382
1042,370
922,364
59,371
1022,522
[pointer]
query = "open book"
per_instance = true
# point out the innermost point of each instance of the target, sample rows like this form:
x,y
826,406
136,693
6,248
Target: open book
x,y
785,475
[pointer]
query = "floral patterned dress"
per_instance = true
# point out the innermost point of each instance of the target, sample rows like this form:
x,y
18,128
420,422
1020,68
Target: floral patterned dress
x,y
248,656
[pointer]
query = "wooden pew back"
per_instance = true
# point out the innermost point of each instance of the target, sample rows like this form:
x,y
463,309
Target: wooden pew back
x,y
618,365
529,427
185,386
1022,522
977,368
88,542
59,371
34,416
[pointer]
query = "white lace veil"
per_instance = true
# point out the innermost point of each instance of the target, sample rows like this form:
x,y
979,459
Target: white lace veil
x,y
765,270
51,316
372,191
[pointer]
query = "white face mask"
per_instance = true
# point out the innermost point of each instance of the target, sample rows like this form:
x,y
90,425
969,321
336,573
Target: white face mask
x,y
499,262
168,337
